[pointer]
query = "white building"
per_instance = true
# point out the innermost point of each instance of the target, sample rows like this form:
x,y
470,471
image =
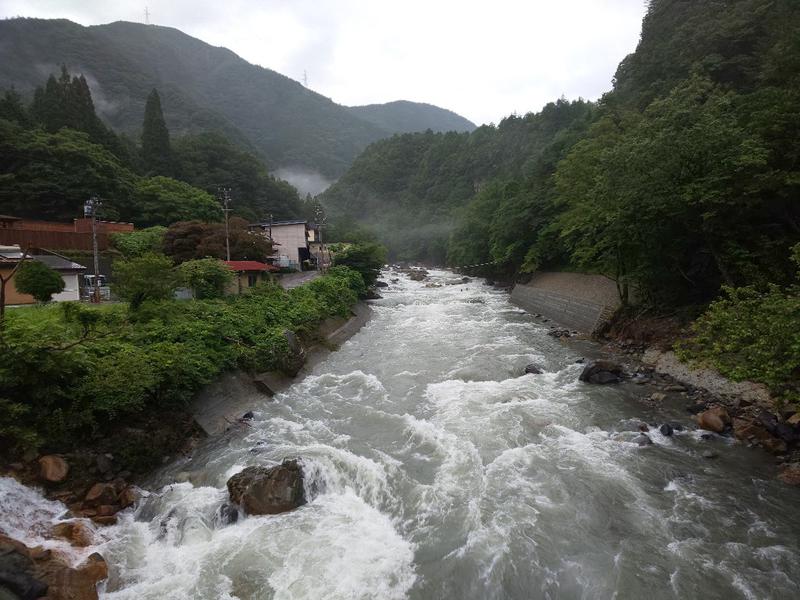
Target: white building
x,y
290,240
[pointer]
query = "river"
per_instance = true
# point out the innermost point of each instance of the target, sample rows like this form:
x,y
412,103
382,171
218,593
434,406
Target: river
x,y
436,471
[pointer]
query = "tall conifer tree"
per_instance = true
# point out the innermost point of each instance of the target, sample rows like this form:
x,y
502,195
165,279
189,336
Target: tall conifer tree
x,y
156,153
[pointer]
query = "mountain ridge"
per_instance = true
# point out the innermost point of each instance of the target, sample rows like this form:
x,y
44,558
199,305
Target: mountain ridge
x,y
204,88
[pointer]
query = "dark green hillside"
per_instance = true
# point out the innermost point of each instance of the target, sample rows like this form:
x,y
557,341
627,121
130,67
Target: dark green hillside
x,y
684,178
403,116
203,88
408,189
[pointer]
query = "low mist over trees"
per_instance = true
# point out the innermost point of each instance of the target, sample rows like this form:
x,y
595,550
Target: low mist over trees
x,y
681,179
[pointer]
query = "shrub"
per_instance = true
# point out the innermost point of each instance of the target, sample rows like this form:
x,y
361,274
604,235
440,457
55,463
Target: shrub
x,y
38,280
137,243
147,277
366,258
754,335
207,277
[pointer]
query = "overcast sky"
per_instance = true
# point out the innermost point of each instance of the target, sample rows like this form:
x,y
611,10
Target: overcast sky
x,y
484,59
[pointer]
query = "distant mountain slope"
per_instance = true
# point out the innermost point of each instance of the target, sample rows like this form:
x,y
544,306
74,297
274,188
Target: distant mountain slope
x,y
403,116
202,88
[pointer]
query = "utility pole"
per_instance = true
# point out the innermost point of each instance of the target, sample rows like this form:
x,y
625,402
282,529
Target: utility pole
x,y
321,218
146,16
90,210
305,78
226,201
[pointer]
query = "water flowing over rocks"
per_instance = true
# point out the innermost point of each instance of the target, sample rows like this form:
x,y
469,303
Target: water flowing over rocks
x,y
268,491
431,469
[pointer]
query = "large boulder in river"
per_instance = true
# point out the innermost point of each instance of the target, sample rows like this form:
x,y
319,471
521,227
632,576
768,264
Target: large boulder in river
x,y
602,372
30,573
268,491
533,369
714,419
53,468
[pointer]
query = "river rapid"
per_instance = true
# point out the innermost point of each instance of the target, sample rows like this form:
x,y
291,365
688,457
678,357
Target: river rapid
x,y
435,471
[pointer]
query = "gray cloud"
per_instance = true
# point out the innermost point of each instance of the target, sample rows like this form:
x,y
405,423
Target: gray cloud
x,y
481,59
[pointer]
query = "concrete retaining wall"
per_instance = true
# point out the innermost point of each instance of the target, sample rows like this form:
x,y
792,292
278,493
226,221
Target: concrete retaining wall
x,y
221,403
574,300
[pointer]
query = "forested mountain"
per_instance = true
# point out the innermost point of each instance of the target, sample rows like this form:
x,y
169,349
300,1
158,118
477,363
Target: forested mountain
x,y
684,177
403,116
203,88
407,188
55,153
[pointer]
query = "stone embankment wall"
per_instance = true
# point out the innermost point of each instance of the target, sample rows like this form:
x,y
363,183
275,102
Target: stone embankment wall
x,y
574,300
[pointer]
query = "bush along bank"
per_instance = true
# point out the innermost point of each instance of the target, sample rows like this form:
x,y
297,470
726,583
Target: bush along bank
x,y
107,388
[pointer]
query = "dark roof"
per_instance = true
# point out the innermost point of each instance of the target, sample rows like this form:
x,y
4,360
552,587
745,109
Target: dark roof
x,y
58,263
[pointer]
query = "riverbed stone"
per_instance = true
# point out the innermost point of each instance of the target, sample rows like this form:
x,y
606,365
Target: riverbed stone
x,y
53,468
100,494
790,474
714,419
666,429
533,369
17,571
78,533
601,372
268,490
643,440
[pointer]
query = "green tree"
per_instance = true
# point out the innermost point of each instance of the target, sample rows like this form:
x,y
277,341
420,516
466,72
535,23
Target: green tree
x,y
163,201
38,280
147,277
194,239
156,151
50,175
207,277
209,160
142,241
366,259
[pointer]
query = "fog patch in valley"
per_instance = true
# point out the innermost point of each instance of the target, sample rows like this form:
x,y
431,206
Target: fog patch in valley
x,y
307,181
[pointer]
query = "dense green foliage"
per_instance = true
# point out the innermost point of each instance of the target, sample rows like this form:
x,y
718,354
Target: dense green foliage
x,y
409,189
156,151
142,241
38,280
146,277
209,161
365,259
752,334
204,88
682,179
71,370
161,201
50,175
58,153
206,277
187,240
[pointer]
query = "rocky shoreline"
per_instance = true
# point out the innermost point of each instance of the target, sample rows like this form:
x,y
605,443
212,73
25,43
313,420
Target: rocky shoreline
x,y
743,411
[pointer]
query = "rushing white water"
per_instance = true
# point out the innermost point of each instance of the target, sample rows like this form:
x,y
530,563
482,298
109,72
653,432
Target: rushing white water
x,y
436,471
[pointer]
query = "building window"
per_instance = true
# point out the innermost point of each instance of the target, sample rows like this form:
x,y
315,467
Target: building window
x,y
252,279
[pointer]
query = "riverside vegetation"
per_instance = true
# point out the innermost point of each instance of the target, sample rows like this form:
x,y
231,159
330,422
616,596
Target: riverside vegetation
x,y
71,374
678,183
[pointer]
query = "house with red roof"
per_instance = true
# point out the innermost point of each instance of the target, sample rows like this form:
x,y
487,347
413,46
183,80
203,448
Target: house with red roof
x,y
248,274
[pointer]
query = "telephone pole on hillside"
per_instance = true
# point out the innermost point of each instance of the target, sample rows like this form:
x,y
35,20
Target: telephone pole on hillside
x,y
90,210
